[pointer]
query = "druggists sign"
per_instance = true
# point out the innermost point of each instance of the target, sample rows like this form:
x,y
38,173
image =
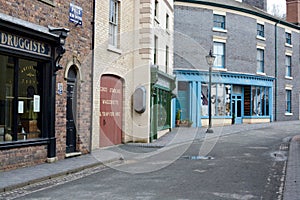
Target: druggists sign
x,y
24,44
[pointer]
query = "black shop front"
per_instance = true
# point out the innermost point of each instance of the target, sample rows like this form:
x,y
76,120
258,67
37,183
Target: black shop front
x,y
29,60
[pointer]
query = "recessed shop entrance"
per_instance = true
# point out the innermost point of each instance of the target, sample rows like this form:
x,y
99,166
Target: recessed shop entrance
x,y
237,109
111,106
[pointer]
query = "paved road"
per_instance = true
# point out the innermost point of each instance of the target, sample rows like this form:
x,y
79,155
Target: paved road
x,y
244,165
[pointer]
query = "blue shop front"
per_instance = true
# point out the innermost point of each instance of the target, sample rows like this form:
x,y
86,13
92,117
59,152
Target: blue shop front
x,y
235,98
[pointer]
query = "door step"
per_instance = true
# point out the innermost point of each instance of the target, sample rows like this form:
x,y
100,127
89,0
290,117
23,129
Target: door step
x,y
73,154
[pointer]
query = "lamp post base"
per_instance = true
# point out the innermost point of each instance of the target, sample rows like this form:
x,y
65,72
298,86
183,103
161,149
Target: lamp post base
x,y
209,130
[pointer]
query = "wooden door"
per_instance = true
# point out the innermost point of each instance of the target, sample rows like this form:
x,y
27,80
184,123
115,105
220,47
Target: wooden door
x,y
111,101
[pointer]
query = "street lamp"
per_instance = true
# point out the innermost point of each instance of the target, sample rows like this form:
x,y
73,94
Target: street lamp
x,y
210,58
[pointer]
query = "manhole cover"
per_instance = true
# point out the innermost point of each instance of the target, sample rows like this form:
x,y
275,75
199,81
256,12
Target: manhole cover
x,y
198,157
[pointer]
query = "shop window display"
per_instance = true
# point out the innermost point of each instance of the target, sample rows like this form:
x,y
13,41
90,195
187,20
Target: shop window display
x,y
220,99
20,85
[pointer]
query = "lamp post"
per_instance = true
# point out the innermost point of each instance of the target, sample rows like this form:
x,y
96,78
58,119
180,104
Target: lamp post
x,y
210,61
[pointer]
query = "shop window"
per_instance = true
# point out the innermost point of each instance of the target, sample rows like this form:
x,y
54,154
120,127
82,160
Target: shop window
x,y
220,99
219,21
164,109
260,101
288,106
288,70
219,52
20,97
113,22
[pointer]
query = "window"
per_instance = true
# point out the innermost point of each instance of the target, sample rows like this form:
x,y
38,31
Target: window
x,y
21,89
288,70
219,52
167,59
260,101
288,38
167,21
260,61
155,50
220,99
113,22
219,21
260,30
156,8
288,107
164,109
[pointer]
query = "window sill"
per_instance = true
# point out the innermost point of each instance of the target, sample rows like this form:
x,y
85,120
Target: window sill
x,y
49,2
219,30
156,19
260,38
288,45
168,31
288,114
288,77
23,143
261,73
114,49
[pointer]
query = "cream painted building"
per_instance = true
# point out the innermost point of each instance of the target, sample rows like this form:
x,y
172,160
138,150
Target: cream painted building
x,y
133,66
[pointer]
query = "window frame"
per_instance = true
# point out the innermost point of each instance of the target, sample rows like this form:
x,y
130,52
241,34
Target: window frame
x,y
288,66
260,30
288,101
288,38
260,61
219,21
220,57
114,22
155,52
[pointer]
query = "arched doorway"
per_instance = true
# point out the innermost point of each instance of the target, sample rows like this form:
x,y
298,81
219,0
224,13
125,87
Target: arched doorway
x,y
111,106
71,110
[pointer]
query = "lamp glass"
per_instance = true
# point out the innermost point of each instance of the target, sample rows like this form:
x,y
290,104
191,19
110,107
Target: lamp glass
x,y
210,59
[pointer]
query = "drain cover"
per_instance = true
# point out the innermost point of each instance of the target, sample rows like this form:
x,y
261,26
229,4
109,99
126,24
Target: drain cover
x,y
198,157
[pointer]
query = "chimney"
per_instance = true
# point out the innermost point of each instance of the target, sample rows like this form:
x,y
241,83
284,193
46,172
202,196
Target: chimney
x,y
292,11
261,4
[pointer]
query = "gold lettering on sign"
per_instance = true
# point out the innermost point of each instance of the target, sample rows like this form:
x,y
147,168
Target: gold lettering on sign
x,y
18,42
110,102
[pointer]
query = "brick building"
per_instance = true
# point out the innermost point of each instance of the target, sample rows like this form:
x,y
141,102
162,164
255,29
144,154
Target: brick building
x,y
133,80
45,80
254,76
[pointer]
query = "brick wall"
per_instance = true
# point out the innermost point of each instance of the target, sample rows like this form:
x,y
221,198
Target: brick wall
x,y
21,157
78,45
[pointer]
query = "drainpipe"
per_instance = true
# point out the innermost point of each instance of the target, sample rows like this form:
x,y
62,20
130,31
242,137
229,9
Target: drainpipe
x,y
276,71
92,82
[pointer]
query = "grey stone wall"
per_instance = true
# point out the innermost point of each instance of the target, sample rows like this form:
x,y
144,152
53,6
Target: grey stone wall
x,y
194,37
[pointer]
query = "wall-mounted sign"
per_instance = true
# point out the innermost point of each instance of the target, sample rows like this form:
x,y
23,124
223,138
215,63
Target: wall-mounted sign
x,y
59,88
24,44
75,14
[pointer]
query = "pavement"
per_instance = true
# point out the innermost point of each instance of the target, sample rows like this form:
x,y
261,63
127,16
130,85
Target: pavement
x,y
21,177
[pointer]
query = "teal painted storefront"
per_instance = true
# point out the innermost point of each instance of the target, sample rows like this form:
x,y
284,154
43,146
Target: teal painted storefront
x,y
236,97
